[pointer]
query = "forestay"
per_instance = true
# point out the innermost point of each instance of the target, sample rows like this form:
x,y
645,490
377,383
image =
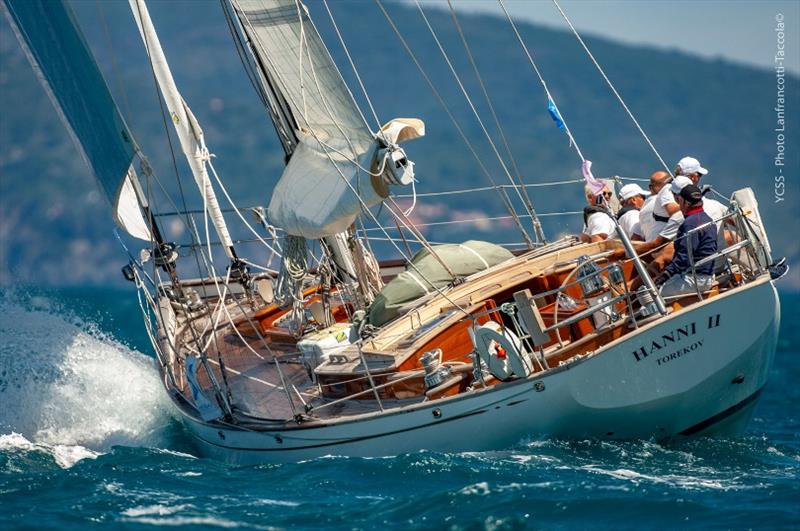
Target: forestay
x,y
318,193
48,32
190,134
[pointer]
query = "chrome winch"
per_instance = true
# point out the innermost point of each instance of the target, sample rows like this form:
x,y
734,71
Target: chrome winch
x,y
435,372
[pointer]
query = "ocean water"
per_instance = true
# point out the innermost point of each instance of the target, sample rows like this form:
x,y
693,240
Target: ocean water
x,y
88,440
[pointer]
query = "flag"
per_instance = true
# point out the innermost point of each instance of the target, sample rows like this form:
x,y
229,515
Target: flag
x,y
595,185
553,110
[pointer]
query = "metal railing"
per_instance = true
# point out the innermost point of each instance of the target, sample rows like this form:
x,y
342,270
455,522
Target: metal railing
x,y
530,353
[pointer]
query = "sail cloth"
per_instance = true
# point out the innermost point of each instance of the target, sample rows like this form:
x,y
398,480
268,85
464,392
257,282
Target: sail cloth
x,y
49,35
464,259
316,195
188,129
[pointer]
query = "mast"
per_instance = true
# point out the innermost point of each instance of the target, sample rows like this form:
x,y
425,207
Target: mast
x,y
279,111
288,125
186,125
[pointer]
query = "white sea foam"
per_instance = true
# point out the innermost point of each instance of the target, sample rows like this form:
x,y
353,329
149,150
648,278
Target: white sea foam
x,y
69,390
64,455
680,481
180,521
481,489
158,510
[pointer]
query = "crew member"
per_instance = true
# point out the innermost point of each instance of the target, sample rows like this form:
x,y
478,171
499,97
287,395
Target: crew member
x,y
658,230
690,169
633,199
598,224
715,210
696,239
649,225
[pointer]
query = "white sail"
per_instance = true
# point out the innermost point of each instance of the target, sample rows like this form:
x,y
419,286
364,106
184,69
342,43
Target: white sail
x,y
325,183
188,129
290,48
127,213
49,36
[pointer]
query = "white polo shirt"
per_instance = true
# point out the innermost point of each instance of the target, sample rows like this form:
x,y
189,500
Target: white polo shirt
x,y
600,223
667,229
716,211
647,223
630,222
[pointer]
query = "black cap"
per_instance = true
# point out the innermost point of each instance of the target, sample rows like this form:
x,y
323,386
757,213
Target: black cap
x,y
691,194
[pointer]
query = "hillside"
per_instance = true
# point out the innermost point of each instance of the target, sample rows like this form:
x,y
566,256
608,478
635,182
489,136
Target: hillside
x,y
54,226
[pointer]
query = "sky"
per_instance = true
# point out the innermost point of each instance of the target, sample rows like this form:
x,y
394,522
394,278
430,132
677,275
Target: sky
x,y
737,30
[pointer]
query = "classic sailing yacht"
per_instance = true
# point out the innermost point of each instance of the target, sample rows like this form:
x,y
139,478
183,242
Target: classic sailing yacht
x,y
460,346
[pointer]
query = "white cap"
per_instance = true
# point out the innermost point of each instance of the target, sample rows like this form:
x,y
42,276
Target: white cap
x,y
678,183
631,190
689,165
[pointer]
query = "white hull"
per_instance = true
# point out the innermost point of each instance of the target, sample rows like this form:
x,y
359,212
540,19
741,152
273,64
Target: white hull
x,y
706,381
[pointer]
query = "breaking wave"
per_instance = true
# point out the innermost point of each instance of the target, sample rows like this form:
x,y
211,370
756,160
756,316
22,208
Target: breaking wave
x,y
69,389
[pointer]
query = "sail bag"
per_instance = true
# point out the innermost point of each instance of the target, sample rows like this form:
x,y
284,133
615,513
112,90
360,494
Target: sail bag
x,y
427,274
327,181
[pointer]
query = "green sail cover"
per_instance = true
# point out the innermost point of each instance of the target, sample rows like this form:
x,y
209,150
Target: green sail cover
x,y
55,47
464,259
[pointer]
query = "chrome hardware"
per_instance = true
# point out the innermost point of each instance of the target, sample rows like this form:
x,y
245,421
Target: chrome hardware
x,y
435,373
589,277
645,298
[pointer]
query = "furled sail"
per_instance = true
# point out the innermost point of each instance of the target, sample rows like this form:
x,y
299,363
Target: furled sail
x,y
328,175
48,32
190,134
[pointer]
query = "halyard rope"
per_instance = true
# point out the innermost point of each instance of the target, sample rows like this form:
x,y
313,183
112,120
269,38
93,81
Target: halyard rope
x,y
611,85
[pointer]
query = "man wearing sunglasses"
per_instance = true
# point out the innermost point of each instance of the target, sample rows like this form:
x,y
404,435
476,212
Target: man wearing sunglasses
x,y
647,223
598,225
659,220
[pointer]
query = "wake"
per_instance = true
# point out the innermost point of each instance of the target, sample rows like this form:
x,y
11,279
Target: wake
x,y
68,388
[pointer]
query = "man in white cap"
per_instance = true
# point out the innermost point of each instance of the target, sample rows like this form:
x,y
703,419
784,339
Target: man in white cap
x,y
659,220
691,168
715,210
632,197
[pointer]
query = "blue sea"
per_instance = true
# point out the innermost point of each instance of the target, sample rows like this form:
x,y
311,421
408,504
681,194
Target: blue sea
x,y
88,440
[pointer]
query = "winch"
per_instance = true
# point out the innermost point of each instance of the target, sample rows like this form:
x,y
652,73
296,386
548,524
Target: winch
x,y
590,281
435,373
645,298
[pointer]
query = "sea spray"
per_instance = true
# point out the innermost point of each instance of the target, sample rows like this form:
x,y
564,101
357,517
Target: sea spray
x,y
69,387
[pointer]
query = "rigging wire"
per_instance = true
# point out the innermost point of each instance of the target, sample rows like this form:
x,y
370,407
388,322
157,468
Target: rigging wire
x,y
503,195
484,218
327,152
537,227
541,79
471,105
611,86
353,66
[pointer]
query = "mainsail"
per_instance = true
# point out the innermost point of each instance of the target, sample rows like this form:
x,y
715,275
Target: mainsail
x,y
331,173
48,32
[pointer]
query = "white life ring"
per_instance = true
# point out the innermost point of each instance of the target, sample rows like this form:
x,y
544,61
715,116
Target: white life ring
x,y
500,349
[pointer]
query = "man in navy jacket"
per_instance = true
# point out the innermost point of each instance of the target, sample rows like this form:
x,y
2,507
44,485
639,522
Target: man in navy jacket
x,y
691,246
